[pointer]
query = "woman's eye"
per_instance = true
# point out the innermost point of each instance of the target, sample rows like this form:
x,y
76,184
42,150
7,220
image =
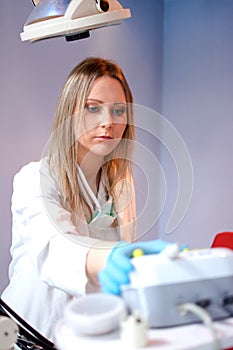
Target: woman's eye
x,y
118,111
92,109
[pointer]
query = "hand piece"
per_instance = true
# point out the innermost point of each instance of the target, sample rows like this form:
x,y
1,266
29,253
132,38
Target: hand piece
x,y
119,263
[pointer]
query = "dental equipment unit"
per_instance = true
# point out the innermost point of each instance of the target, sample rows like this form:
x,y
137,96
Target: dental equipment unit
x,y
162,284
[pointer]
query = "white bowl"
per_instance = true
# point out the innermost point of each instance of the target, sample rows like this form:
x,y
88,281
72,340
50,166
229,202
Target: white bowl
x,y
94,314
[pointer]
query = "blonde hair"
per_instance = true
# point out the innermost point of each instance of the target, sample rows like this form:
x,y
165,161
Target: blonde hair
x,y
62,151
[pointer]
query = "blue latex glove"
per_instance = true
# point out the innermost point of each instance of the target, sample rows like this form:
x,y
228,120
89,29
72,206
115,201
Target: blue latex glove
x,y
119,263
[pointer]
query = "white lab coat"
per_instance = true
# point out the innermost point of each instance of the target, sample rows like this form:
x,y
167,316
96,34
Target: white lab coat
x,y
48,251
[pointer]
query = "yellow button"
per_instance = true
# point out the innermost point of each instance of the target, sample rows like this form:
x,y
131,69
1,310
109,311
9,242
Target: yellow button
x,y
137,252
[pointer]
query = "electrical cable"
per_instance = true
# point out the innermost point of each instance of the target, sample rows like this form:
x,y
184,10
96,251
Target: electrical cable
x,y
204,316
28,334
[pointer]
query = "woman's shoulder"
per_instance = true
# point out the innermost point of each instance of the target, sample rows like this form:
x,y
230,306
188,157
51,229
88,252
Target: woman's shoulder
x,y
31,169
29,175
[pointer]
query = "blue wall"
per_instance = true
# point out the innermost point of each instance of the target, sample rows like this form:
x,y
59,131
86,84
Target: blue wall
x,y
197,99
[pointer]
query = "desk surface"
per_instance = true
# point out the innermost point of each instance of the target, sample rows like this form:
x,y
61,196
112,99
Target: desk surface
x,y
188,337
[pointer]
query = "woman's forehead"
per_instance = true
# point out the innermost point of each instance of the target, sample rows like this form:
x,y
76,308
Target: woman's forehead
x,y
107,89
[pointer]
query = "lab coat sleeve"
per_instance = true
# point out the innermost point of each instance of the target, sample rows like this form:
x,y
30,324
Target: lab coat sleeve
x,y
44,229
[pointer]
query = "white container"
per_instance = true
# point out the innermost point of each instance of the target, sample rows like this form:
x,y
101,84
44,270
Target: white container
x,y
94,314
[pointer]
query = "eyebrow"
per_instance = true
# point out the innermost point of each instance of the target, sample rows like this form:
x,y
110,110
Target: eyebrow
x,y
94,100
102,102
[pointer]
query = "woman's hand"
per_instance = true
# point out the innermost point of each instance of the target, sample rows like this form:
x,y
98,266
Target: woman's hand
x,y
118,266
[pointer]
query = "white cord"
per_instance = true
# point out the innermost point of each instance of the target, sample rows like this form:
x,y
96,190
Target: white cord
x,y
204,316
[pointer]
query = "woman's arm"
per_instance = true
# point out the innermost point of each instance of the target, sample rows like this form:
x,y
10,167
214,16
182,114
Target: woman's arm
x,y
97,258
43,229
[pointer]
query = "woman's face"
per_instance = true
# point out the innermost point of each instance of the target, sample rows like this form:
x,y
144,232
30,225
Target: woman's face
x,y
104,119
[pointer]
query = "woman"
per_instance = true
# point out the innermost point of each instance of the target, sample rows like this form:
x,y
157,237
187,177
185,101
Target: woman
x,y
70,208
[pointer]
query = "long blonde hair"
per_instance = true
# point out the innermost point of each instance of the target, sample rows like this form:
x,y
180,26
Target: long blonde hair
x,y
62,151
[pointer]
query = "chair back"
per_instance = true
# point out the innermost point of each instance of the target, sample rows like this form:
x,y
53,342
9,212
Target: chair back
x,y
223,239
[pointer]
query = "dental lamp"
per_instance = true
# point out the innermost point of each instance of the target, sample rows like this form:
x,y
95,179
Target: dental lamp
x,y
72,19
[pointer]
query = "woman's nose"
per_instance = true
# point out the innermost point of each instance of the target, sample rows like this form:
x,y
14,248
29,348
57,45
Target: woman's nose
x,y
106,118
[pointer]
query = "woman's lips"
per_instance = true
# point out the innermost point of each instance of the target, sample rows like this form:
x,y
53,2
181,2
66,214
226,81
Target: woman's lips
x,y
104,137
